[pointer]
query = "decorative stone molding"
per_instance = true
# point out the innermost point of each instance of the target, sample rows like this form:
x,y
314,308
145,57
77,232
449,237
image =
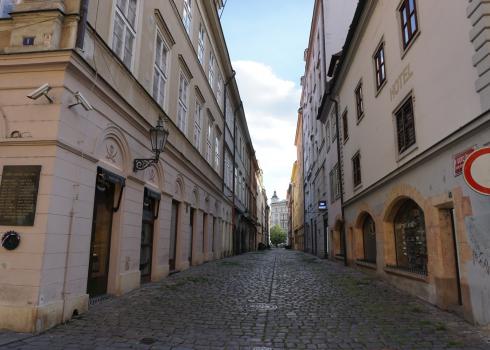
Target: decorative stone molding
x,y
478,12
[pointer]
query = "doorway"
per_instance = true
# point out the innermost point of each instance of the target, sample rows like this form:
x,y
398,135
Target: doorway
x,y
151,202
100,243
173,235
191,240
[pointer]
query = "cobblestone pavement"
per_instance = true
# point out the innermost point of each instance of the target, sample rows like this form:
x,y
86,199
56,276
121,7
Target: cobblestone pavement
x,y
276,299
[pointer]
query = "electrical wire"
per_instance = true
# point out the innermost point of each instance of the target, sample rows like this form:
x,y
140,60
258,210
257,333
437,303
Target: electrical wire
x,y
223,10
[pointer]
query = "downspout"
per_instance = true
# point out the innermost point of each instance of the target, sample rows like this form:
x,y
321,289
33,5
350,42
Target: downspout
x,y
82,24
233,73
234,164
342,225
304,179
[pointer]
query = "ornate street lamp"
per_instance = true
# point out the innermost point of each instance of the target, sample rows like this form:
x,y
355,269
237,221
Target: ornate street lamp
x,y
158,138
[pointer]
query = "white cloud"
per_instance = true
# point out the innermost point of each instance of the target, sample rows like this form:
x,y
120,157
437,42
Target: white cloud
x,y
271,105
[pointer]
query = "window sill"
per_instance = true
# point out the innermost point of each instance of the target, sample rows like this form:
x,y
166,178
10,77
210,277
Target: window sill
x,y
380,88
360,118
367,264
409,45
407,152
357,187
410,275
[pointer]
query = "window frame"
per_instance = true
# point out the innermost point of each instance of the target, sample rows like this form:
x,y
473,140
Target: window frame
x,y
359,95
182,123
201,44
405,4
157,68
198,119
410,147
187,20
345,126
117,12
380,62
356,170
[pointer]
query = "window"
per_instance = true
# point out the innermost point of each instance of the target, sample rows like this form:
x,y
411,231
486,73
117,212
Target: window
x,y
334,183
228,170
334,128
219,90
124,32
198,125
408,14
183,95
7,6
187,16
345,126
379,61
328,131
216,152
369,239
405,126
209,138
160,70
212,64
359,102
356,169
201,44
410,238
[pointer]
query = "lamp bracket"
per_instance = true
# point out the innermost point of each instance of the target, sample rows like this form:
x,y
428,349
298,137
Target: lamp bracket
x,y
142,164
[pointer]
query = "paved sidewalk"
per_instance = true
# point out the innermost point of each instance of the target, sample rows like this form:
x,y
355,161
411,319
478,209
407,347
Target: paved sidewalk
x,y
276,299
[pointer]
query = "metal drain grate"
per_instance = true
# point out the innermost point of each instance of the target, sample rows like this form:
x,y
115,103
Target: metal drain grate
x,y
263,307
99,299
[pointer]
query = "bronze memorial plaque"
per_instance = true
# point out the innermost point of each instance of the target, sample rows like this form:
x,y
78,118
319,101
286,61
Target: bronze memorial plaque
x,y
18,194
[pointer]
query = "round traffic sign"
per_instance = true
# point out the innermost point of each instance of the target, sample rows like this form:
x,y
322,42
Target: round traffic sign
x,y
476,171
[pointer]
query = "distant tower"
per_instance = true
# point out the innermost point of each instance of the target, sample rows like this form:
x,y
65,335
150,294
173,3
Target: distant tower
x,y
275,198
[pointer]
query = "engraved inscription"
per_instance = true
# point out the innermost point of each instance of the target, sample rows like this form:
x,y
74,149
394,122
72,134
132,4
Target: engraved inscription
x,y
18,195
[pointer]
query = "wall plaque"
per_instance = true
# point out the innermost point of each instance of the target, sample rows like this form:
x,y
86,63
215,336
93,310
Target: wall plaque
x,y
18,194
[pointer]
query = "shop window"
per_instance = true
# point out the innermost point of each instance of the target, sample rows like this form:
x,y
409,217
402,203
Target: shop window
x,y
410,238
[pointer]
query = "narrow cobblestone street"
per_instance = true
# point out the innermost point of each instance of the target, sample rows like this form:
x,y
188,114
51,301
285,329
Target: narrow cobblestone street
x,y
276,299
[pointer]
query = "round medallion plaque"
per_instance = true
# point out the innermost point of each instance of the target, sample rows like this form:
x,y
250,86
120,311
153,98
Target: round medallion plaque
x,y
10,240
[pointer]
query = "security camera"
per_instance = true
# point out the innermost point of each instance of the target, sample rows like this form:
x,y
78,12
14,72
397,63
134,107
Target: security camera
x,y
81,100
41,91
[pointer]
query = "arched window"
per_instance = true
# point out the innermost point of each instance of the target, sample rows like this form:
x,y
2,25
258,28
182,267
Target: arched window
x,y
410,238
369,239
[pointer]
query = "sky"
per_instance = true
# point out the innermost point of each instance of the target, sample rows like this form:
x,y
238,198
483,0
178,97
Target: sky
x,y
266,40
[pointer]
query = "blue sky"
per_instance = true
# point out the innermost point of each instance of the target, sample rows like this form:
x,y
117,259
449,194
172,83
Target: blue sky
x,y
266,40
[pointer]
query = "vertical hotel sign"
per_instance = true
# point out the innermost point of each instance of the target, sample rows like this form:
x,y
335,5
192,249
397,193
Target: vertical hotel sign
x,y
18,194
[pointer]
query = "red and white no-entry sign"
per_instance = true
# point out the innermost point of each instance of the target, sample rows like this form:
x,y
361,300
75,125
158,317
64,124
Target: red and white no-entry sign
x,y
476,170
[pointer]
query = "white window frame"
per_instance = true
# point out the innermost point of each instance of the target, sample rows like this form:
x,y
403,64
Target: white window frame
x,y
209,140
127,27
187,16
160,74
198,125
183,102
219,90
217,156
201,44
211,70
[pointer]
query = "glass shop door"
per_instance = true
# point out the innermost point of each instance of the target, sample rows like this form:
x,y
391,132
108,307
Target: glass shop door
x,y
101,236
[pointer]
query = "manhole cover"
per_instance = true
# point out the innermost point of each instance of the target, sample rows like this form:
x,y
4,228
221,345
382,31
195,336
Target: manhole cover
x,y
99,299
263,306
148,341
262,348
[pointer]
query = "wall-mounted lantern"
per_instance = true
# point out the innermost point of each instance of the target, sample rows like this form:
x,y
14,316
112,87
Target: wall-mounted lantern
x,y
158,138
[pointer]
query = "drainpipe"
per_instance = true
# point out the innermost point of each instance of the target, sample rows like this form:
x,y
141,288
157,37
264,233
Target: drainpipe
x,y
233,73
342,225
82,24
234,164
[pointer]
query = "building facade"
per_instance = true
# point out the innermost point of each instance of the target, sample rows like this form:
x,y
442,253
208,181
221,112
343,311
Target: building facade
x,y
405,124
81,85
329,27
279,212
297,213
